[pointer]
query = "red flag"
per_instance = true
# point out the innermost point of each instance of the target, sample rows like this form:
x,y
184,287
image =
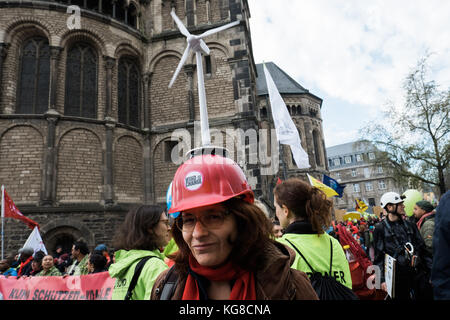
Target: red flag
x,y
11,211
279,181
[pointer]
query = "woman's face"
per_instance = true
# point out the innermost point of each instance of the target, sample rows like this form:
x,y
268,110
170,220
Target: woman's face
x,y
281,213
211,247
162,230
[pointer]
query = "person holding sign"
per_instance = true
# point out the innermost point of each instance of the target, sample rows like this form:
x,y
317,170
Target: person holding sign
x,y
400,239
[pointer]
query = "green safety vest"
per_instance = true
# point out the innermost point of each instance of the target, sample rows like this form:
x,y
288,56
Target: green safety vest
x,y
316,250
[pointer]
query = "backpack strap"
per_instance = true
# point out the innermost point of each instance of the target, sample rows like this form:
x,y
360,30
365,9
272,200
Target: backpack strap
x,y
296,249
169,285
137,272
331,256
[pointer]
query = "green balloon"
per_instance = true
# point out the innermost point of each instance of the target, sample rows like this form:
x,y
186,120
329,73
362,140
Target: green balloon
x,y
412,196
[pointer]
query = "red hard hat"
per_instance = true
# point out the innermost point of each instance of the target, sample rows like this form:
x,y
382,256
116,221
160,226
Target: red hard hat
x,y
206,180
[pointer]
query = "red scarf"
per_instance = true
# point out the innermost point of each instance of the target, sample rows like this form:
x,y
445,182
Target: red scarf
x,y
23,264
243,289
419,223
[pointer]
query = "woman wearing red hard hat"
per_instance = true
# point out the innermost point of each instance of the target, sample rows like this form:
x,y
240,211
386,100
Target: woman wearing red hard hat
x,y
224,240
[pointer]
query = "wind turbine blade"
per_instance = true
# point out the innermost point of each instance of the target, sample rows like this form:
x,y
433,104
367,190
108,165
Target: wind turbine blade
x,y
180,24
180,65
204,47
218,29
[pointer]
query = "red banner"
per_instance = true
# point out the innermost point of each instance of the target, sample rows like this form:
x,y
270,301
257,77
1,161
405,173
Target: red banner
x,y
11,211
97,286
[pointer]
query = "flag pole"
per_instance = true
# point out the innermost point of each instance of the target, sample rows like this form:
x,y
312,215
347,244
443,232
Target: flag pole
x,y
3,216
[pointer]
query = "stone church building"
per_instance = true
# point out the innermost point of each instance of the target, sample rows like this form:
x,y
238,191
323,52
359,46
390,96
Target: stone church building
x,y
87,118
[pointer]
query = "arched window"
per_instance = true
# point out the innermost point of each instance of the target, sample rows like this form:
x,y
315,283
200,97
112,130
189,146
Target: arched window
x,y
120,6
132,16
34,76
128,92
81,81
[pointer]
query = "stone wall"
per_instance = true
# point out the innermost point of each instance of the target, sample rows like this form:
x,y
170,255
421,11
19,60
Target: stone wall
x,y
76,176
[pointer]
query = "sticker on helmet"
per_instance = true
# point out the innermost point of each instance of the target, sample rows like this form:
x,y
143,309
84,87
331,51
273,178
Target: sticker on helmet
x,y
193,180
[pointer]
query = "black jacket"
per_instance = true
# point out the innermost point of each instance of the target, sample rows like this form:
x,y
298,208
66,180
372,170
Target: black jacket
x,y
391,240
440,271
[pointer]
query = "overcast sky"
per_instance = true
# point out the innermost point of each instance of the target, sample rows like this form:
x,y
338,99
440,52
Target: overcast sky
x,y
354,54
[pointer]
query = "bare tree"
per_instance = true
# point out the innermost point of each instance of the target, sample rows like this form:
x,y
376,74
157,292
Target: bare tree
x,y
415,139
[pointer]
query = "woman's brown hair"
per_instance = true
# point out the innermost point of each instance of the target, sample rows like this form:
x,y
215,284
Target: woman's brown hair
x,y
305,201
254,230
134,231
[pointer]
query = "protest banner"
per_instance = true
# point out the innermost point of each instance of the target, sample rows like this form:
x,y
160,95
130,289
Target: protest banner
x,y
97,286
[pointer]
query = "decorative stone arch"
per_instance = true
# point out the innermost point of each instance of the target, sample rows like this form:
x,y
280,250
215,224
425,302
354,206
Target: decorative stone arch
x,y
16,34
127,135
128,168
38,129
218,46
160,139
20,28
211,58
63,231
64,133
90,173
127,49
164,54
161,68
84,35
24,182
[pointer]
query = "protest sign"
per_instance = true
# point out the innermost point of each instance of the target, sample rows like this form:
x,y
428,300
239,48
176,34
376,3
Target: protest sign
x,y
97,286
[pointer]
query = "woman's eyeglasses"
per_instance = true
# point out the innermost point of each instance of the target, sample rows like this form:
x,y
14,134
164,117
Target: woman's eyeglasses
x,y
210,220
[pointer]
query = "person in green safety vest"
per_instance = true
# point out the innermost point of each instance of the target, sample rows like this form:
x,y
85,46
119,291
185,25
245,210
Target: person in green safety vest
x,y
145,229
304,212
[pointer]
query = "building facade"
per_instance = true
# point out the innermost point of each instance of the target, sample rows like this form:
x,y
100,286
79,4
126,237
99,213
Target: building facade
x,y
87,119
354,165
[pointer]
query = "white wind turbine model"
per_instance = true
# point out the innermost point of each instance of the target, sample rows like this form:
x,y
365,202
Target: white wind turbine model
x,y
196,43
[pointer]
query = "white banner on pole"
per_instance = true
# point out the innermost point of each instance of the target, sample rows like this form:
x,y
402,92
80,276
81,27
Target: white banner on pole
x,y
35,241
285,128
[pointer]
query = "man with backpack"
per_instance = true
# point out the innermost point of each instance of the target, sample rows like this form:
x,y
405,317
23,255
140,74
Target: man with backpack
x,y
400,239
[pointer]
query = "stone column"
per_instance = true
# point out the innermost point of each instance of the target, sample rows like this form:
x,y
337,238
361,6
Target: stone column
x,y
48,194
3,53
109,169
55,53
109,65
189,69
146,81
208,11
114,3
147,156
149,193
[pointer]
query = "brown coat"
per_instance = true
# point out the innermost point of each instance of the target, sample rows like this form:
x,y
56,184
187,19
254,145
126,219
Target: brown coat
x,y
275,281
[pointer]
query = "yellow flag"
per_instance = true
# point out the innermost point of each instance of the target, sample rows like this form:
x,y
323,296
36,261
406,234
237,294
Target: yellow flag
x,y
360,205
326,189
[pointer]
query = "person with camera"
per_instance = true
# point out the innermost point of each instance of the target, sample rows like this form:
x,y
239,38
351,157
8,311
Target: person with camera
x,y
400,239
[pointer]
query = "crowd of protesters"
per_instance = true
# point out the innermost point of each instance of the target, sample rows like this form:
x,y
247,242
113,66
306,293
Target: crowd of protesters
x,y
302,212
80,261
